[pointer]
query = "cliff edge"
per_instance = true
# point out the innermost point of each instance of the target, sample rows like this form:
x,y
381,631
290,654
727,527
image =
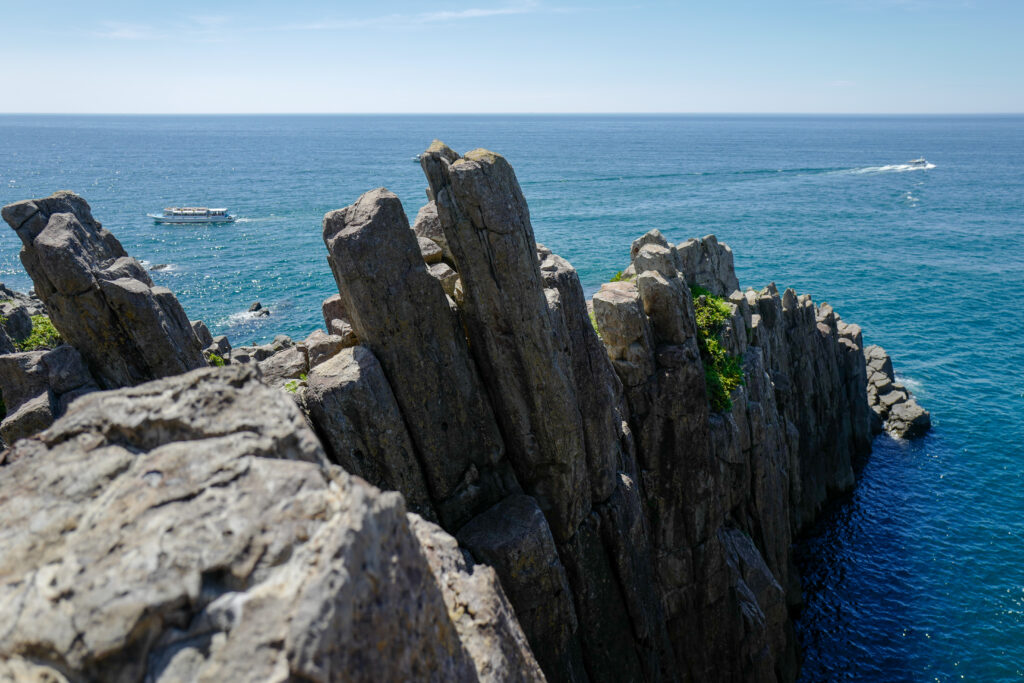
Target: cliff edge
x,y
603,490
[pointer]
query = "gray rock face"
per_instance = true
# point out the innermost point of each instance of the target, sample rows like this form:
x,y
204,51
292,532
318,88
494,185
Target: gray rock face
x,y
15,320
477,605
37,387
707,263
101,300
487,225
202,333
401,313
284,366
514,538
427,226
6,344
30,302
320,347
597,387
337,321
351,405
186,530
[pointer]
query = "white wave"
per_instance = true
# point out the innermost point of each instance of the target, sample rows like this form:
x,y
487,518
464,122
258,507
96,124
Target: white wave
x,y
909,382
892,168
242,317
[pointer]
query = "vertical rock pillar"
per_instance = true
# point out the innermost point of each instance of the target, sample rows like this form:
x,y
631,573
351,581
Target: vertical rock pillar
x,y
401,313
487,227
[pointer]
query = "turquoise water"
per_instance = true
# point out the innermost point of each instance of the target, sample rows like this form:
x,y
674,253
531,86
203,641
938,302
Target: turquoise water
x,y
920,574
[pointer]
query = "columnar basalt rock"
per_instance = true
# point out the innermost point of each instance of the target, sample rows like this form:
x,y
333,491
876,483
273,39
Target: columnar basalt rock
x,y
187,529
487,226
725,492
639,522
401,313
709,264
101,300
353,409
597,387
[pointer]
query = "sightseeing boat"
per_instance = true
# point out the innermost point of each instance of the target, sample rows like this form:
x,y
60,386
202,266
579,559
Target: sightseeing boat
x,y
192,214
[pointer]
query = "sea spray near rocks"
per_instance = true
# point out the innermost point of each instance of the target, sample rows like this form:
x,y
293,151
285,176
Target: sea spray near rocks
x,y
638,532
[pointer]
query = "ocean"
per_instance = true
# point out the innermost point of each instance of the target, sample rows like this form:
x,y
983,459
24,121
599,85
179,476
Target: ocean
x,y
919,574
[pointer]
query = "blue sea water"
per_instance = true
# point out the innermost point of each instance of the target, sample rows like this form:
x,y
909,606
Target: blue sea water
x,y
919,575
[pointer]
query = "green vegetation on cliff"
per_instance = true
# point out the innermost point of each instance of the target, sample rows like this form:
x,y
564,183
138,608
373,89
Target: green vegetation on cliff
x,y
44,335
722,371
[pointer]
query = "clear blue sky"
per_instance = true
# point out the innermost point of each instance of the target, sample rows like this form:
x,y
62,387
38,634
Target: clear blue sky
x,y
849,56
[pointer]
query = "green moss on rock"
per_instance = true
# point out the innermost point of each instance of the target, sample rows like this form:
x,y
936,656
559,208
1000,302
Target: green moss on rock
x,y
722,371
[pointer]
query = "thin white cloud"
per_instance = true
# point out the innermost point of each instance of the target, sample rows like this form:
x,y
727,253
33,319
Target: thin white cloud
x,y
419,18
116,30
196,29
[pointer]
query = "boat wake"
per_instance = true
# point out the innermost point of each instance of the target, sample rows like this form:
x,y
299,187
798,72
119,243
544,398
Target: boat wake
x,y
892,168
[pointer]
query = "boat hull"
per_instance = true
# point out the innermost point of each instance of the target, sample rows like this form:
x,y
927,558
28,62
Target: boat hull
x,y
157,218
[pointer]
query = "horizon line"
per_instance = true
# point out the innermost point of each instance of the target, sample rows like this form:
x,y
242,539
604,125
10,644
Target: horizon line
x,y
514,113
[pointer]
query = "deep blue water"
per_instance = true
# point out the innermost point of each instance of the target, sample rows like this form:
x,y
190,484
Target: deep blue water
x,y
920,575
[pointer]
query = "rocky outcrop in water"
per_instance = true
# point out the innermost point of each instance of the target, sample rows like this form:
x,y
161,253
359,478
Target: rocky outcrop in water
x,y
637,512
893,406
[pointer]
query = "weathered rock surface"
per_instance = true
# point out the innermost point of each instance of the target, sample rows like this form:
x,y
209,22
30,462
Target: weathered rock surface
x,y
187,529
202,333
337,320
400,312
37,386
709,264
30,302
15,320
514,538
285,365
6,344
486,622
486,222
353,409
638,532
428,226
101,300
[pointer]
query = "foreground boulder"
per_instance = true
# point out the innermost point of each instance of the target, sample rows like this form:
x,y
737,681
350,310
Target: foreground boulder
x,y
101,300
188,529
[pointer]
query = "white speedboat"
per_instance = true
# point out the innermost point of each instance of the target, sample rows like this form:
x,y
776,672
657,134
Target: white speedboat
x,y
192,214
920,162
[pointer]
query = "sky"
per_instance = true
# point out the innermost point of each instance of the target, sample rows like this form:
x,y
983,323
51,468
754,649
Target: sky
x,y
513,56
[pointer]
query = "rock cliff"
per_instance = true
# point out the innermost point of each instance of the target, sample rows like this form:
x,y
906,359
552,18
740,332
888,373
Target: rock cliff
x,y
602,490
